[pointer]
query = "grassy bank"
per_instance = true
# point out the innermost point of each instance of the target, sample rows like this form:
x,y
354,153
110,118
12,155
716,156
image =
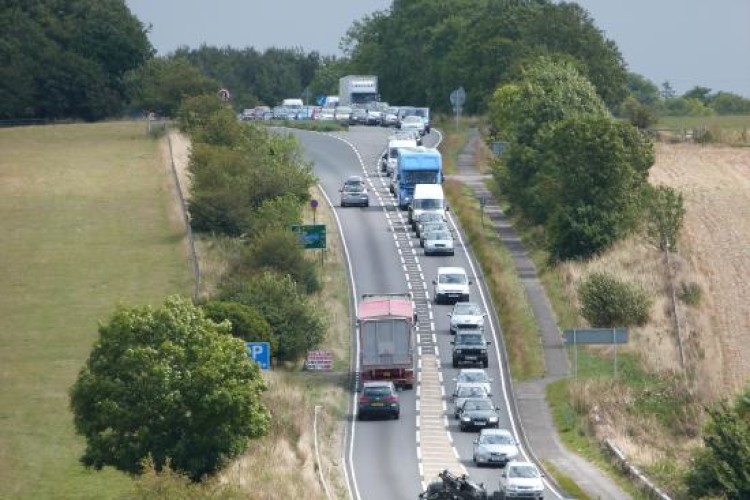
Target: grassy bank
x,y
86,223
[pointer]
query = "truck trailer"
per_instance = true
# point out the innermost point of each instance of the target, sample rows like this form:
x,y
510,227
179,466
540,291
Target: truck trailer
x,y
358,89
385,323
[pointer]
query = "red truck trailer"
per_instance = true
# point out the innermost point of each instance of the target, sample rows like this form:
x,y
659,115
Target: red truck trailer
x,y
386,338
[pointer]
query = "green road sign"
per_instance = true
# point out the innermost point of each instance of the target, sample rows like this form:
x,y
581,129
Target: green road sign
x,y
311,235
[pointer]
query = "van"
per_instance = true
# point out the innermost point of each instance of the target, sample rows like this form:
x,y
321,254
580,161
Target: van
x,y
427,198
292,103
390,157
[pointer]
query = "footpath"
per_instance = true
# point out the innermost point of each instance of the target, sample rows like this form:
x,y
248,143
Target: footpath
x,y
533,410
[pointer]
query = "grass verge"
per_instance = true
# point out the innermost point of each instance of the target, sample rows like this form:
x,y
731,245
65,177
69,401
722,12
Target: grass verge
x,y
87,223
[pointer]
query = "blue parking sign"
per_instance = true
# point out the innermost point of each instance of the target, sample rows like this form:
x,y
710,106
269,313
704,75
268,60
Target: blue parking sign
x,y
260,352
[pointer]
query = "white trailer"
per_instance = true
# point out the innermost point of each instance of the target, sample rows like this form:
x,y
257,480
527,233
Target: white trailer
x,y
358,89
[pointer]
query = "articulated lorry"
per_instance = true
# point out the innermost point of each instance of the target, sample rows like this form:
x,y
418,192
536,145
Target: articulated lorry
x,y
358,89
386,338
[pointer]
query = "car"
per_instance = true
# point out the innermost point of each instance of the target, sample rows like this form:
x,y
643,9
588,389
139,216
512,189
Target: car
x,y
358,116
521,480
425,217
326,114
451,285
342,114
466,315
465,391
470,346
474,376
378,397
390,117
477,413
413,122
354,192
431,227
438,242
494,447
374,116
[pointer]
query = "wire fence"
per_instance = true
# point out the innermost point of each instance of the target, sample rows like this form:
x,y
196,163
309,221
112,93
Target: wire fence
x,y
186,217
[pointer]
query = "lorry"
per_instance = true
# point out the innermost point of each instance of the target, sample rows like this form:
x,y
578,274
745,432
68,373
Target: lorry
x,y
419,165
358,89
385,324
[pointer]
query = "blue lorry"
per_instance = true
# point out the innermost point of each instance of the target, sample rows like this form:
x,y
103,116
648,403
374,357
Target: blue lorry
x,y
417,165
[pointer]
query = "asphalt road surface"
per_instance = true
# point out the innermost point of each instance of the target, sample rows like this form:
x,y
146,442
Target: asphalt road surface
x,y
389,459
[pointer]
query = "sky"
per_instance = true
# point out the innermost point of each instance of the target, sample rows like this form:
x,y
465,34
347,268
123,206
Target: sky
x,y
685,42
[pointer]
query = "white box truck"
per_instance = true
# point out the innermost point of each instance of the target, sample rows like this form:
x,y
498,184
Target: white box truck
x,y
358,89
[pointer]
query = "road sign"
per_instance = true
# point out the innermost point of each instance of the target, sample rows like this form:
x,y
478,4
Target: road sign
x,y
260,352
458,97
499,147
319,360
314,204
596,336
311,235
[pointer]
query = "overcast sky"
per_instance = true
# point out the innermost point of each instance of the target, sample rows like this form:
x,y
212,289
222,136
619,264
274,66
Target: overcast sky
x,y
687,42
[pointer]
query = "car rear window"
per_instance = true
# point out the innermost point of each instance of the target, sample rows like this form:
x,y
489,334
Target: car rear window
x,y
377,391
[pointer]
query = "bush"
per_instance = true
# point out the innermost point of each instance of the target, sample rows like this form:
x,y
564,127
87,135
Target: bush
x,y
690,293
247,322
608,302
665,214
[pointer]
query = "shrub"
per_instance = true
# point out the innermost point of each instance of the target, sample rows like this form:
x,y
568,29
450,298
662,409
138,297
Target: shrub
x,y
608,302
665,214
690,293
247,323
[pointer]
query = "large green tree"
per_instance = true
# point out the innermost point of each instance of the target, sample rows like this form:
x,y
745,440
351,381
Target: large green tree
x,y
67,59
169,384
591,181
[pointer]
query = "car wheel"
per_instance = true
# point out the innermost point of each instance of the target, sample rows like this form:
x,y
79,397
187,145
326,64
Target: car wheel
x,y
367,204
474,459
485,363
455,363
396,415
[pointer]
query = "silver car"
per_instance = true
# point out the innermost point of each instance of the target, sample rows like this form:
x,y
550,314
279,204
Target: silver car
x,y
354,192
475,376
424,218
431,226
466,315
495,447
438,242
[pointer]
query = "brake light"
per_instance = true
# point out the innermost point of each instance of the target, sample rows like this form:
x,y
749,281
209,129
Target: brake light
x,y
364,399
391,399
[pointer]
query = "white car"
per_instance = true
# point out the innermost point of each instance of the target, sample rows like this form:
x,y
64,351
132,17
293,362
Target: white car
x,y
413,123
475,376
495,447
521,480
466,315
438,242
467,390
451,285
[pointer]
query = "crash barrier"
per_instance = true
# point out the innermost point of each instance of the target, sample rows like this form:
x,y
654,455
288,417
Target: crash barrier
x,y
643,482
186,218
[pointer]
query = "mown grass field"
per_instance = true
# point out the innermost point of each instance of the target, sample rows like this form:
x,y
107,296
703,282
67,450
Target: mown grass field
x,y
86,223
734,122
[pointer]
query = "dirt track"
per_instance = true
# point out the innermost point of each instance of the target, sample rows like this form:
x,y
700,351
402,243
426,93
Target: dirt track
x,y
715,183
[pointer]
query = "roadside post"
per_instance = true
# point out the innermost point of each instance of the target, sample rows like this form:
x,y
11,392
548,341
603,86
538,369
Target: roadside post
x,y
482,204
600,336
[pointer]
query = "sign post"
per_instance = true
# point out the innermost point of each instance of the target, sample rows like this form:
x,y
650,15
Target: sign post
x,y
601,336
458,98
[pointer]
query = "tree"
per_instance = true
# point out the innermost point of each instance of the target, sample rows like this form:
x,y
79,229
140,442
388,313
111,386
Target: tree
x,y
594,170
296,325
720,468
162,84
547,92
665,214
727,103
247,323
168,384
643,89
67,59
608,302
703,94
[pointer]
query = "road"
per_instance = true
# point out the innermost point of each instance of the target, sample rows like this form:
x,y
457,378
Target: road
x,y
395,459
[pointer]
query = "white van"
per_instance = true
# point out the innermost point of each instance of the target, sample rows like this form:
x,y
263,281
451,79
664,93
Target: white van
x,y
427,198
295,104
390,157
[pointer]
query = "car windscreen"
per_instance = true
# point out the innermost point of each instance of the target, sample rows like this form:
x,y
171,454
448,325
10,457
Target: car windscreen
x,y
464,309
467,392
470,339
473,377
524,471
496,439
376,391
424,177
437,235
478,404
354,188
453,279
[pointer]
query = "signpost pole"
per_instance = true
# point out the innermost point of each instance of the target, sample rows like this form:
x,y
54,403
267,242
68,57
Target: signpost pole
x,y
614,341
